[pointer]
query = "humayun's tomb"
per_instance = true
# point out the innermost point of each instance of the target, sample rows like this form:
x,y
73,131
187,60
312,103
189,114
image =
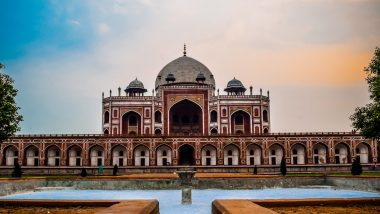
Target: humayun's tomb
x,y
186,122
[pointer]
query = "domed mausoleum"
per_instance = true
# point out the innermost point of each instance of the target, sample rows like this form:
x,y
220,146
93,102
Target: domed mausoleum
x,y
186,121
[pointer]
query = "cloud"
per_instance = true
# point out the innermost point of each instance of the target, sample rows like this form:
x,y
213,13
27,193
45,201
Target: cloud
x,y
309,54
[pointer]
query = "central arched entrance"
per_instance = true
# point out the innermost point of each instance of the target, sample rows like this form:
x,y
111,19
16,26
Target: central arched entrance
x,y
185,118
186,155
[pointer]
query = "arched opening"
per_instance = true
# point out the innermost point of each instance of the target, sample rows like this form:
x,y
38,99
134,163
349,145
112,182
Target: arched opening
x,y
362,151
185,118
253,154
53,156
208,155
10,156
298,154
32,156
157,117
266,131
147,113
214,117
320,153
257,130
256,112
141,156
119,155
214,131
240,122
106,117
342,154
157,131
186,155
131,123
231,155
106,132
224,111
276,152
75,156
164,156
265,116
96,156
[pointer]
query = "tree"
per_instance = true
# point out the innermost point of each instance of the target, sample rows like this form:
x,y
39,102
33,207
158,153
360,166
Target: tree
x,y
115,170
17,171
356,167
9,116
83,173
283,167
367,119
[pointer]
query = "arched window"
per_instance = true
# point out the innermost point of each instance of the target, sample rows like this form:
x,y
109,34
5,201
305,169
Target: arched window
x,y
294,151
142,153
164,153
273,152
214,117
132,121
251,152
147,113
229,152
106,117
121,153
257,129
265,116
106,131
208,153
224,111
256,112
157,117
157,131
114,130
265,130
114,113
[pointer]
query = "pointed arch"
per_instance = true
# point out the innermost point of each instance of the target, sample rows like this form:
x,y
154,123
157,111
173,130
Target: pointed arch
x,y
32,155
208,154
96,154
74,157
141,155
164,155
298,154
231,154
276,153
185,117
240,122
53,155
253,154
10,155
119,155
131,123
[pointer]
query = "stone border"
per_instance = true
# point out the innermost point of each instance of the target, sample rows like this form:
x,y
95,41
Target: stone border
x,y
234,206
110,206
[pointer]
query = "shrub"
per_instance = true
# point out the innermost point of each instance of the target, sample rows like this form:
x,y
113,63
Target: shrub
x,y
283,167
83,173
17,171
356,168
115,170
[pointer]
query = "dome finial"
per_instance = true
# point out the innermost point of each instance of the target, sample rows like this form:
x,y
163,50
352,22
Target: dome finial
x,y
184,49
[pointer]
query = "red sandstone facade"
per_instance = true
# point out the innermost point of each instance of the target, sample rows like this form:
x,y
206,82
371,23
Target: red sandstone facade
x,y
185,122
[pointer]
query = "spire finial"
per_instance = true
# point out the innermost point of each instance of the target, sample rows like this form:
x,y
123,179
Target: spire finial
x,y
184,49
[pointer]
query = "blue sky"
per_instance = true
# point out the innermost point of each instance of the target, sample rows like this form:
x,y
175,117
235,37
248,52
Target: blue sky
x,y
309,54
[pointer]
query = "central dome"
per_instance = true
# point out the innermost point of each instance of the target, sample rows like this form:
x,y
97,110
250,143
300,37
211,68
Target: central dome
x,y
185,70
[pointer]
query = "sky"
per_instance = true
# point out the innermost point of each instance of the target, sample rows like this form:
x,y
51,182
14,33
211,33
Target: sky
x,y
309,54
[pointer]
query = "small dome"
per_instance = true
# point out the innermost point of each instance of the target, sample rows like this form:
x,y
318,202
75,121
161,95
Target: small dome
x,y
235,86
200,77
136,86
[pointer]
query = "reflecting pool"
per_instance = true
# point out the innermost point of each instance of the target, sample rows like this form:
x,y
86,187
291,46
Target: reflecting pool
x,y
170,200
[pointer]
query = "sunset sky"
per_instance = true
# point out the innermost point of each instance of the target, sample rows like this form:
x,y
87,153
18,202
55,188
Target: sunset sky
x,y
309,54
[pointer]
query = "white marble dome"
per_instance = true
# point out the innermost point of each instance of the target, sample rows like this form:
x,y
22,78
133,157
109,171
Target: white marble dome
x,y
185,70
